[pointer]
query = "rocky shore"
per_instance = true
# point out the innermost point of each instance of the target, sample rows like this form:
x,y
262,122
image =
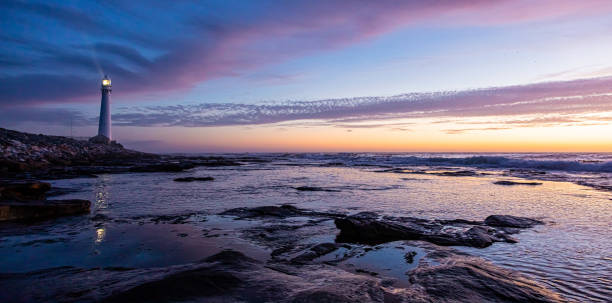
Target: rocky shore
x,y
302,269
27,158
31,156
309,256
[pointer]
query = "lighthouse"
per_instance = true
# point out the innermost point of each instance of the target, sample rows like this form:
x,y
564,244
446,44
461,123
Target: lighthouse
x,y
104,128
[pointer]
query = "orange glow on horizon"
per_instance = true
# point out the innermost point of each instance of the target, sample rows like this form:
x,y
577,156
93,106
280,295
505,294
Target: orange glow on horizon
x,y
418,136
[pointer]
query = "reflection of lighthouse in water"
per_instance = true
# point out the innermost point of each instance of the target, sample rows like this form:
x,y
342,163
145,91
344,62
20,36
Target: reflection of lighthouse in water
x,y
104,128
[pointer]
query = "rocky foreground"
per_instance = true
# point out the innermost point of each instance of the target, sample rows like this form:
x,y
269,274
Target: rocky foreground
x,y
301,269
26,158
312,256
32,156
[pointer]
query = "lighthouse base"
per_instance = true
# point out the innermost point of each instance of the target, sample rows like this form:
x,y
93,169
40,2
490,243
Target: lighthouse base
x,y
99,139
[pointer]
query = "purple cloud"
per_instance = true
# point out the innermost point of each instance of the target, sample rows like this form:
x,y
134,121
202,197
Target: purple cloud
x,y
568,97
204,47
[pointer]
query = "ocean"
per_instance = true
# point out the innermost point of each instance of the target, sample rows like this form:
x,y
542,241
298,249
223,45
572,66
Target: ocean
x,y
129,225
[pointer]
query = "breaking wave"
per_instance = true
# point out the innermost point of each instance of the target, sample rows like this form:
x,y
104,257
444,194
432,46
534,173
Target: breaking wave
x,y
508,163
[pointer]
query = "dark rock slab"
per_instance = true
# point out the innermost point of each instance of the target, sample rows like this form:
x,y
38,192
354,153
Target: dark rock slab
x,y
43,209
511,221
368,229
459,173
191,179
264,211
313,188
372,231
473,280
230,276
509,183
282,211
315,252
24,191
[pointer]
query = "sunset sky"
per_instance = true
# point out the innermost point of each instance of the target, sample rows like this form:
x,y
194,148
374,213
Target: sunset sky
x,y
237,76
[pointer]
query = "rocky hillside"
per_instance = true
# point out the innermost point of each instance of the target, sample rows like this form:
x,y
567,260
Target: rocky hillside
x,y
23,152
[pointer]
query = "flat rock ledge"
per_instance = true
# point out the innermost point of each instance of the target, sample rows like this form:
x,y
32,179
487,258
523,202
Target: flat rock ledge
x,y
283,211
27,201
368,228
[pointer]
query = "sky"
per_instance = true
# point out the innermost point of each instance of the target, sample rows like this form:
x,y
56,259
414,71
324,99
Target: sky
x,y
314,76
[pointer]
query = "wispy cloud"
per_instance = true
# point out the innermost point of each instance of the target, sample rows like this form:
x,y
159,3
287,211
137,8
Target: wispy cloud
x,y
569,97
184,46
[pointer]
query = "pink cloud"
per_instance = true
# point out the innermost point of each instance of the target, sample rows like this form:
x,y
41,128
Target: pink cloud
x,y
293,29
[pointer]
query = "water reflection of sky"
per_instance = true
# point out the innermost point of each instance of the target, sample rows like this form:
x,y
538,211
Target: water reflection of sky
x,y
102,192
580,230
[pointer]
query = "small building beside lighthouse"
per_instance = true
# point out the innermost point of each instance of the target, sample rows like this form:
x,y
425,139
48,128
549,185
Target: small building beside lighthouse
x,y
104,126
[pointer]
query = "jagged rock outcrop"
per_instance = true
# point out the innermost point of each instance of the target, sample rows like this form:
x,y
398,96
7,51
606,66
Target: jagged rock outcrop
x,y
24,152
54,157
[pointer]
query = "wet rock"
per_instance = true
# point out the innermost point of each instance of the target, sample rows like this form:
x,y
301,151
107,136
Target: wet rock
x,y
409,257
312,188
229,256
230,276
315,252
372,231
511,221
24,191
366,228
460,173
506,182
320,296
185,285
264,211
191,179
364,271
43,209
475,280
169,219
365,215
282,211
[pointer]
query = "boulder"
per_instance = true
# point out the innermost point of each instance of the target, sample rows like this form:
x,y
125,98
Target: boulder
x,y
372,231
511,221
191,179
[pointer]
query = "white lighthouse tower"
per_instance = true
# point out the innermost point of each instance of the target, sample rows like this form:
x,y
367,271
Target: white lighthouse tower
x,y
104,128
